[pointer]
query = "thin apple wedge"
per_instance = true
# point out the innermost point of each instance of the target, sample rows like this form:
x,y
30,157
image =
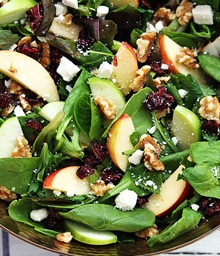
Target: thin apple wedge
x,y
169,50
65,180
10,130
28,73
120,3
119,141
173,192
124,67
51,109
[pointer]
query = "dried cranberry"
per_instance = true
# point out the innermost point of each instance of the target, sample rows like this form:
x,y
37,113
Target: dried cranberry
x,y
34,124
30,51
159,100
110,175
85,40
156,67
100,151
53,221
36,16
150,4
210,127
210,206
84,171
6,100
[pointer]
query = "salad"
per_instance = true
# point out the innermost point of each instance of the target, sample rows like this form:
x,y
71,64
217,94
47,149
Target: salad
x,y
109,117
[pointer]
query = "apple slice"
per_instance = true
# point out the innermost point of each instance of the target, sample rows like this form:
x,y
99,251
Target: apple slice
x,y
105,89
119,140
186,127
172,193
168,51
66,180
10,130
15,10
124,67
28,73
87,235
120,3
51,109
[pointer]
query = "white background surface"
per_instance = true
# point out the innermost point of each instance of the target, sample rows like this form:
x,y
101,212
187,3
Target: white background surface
x,y
210,245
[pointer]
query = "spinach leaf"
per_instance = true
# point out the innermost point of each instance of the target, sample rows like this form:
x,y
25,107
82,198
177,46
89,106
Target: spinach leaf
x,y
16,173
7,38
189,220
107,217
210,64
19,210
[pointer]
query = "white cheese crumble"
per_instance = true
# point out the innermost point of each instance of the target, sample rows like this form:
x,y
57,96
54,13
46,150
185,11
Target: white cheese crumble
x,y
57,192
39,214
182,93
70,193
61,9
102,11
18,111
8,82
136,157
67,69
195,207
164,66
105,70
203,14
152,129
126,200
150,27
174,140
159,26
60,18
71,3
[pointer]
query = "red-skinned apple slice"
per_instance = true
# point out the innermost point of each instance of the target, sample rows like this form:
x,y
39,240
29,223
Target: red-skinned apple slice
x,y
28,73
66,180
119,140
172,193
124,67
168,50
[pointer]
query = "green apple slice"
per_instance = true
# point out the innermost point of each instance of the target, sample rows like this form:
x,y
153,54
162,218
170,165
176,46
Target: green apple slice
x,y
28,73
10,130
51,109
15,10
107,90
186,127
86,235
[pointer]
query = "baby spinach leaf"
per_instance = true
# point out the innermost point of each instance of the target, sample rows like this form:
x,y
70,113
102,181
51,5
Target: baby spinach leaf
x,y
210,64
107,217
205,179
189,220
16,173
96,128
7,38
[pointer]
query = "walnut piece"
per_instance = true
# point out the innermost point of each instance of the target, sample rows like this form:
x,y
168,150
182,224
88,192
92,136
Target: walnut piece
x,y
107,107
45,56
210,108
165,15
186,57
161,80
141,78
6,194
151,153
148,232
99,188
65,237
144,45
184,12
22,149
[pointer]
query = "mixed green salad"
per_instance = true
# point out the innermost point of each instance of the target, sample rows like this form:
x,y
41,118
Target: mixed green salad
x,y
109,117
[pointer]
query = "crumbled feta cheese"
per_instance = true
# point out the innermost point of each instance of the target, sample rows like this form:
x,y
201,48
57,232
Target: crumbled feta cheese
x,y
61,9
195,207
136,157
69,88
126,200
13,47
150,27
102,11
203,14
182,93
70,193
8,82
57,192
174,140
152,129
105,70
18,111
39,214
60,18
67,69
71,3
159,26
164,66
